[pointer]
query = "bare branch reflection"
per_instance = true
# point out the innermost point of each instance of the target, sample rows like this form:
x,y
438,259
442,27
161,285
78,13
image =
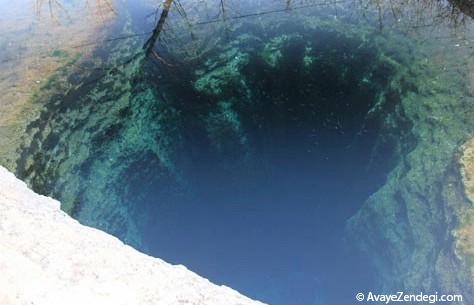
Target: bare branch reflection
x,y
58,11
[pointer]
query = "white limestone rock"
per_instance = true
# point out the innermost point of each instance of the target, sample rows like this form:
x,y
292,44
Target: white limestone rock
x,y
48,258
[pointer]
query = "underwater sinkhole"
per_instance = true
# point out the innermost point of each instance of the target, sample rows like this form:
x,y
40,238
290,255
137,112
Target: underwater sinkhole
x,y
243,163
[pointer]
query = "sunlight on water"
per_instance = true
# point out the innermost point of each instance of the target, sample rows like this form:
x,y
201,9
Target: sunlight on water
x,y
39,40
287,149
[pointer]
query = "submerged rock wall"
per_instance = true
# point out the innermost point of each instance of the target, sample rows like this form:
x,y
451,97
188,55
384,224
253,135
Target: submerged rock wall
x,y
465,231
39,50
48,258
467,168
407,228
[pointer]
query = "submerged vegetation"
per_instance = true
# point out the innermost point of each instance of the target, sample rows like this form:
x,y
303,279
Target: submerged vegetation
x,y
365,100
465,241
36,49
464,233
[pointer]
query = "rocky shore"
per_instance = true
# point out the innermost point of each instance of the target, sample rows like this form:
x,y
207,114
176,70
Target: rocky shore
x,y
46,257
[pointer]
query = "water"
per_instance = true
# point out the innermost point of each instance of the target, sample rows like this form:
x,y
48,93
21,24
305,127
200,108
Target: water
x,y
239,137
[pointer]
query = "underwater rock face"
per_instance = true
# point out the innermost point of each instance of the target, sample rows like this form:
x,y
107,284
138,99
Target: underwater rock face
x,y
465,232
48,258
60,41
467,168
408,227
115,157
253,96
259,114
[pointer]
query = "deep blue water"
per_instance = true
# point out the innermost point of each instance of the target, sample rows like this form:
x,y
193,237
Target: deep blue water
x,y
272,226
252,187
278,239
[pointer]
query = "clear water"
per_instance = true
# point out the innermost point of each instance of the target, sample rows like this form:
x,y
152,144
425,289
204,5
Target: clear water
x,y
239,137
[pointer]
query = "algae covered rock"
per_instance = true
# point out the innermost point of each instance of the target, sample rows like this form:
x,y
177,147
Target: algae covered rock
x,y
464,233
272,52
406,229
225,130
222,76
467,168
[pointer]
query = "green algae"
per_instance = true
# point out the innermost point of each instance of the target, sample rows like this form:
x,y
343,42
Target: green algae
x,y
60,53
220,78
308,60
225,130
425,112
409,214
61,73
224,74
116,121
272,52
464,235
71,126
433,117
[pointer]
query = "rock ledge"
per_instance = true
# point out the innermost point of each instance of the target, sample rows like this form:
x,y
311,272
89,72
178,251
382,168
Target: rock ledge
x,y
48,258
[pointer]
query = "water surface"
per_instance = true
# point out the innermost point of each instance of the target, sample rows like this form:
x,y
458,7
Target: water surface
x,y
239,137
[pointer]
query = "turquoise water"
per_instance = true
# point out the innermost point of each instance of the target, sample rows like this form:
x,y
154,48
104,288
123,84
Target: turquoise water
x,y
239,137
